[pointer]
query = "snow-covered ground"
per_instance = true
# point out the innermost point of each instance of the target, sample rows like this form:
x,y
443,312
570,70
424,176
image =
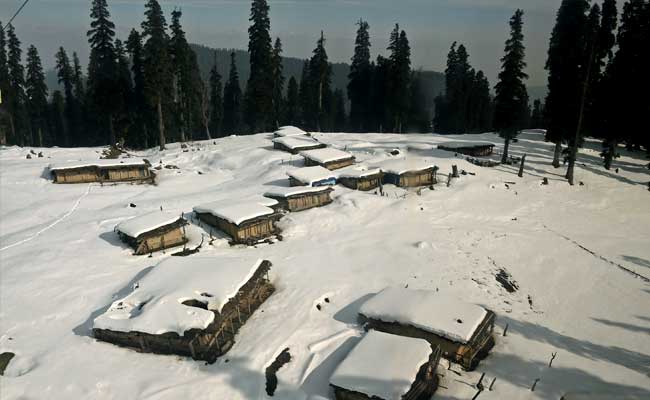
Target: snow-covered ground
x,y
573,252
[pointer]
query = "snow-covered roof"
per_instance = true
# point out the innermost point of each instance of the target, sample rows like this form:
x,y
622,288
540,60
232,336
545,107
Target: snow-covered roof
x,y
236,212
311,175
297,142
401,166
135,227
289,131
329,154
460,145
155,306
431,311
382,365
294,191
98,163
357,171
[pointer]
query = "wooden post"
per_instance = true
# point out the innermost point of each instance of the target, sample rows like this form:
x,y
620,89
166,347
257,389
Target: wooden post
x,y
479,385
521,166
492,384
454,169
505,330
553,355
532,389
449,180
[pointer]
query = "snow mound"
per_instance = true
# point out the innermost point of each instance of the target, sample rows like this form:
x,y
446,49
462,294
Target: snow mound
x,y
286,131
236,212
323,156
401,166
296,141
431,311
313,176
156,305
382,365
284,192
135,227
357,171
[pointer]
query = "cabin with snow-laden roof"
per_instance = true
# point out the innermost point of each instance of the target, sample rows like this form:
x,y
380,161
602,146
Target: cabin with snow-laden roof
x,y
151,232
286,131
329,158
463,331
360,177
300,198
103,171
246,222
387,367
409,173
188,306
296,144
474,149
312,176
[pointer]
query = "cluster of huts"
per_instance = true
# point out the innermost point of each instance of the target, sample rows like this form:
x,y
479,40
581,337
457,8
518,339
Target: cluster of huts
x,y
194,306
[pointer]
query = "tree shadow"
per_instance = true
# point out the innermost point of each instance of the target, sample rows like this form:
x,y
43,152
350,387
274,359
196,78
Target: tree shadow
x,y
85,328
350,313
636,260
623,325
612,354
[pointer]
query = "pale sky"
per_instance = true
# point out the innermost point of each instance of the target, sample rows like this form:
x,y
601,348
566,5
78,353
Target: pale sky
x,y
431,25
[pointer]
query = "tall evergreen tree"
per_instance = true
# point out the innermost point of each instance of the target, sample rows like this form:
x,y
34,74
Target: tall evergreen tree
x,y
537,118
400,76
564,65
78,120
259,90
36,96
278,84
57,117
320,78
6,120
124,91
232,97
157,64
216,99
360,80
77,78
292,115
138,105
511,101
65,73
305,95
339,119
187,87
102,68
380,94
16,96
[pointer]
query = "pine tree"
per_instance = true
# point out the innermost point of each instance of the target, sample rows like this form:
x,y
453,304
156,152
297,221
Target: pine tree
x,y
102,68
5,87
537,118
339,119
305,95
292,116
57,117
232,97
216,99
511,101
124,90
565,58
360,80
278,83
157,64
400,76
65,74
380,93
16,95
79,91
259,90
320,77
36,96
138,103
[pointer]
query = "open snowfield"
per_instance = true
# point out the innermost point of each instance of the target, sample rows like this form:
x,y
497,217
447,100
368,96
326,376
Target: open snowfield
x,y
567,248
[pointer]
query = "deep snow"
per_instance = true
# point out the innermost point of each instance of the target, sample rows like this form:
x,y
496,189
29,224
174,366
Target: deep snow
x,y
61,266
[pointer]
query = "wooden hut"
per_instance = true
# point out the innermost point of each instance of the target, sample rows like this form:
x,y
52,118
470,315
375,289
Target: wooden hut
x,y
312,176
328,158
463,331
474,149
296,144
104,171
409,173
299,198
360,177
387,367
286,131
188,306
152,232
246,222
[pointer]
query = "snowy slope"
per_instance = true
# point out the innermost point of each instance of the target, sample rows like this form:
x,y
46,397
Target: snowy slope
x,y
61,266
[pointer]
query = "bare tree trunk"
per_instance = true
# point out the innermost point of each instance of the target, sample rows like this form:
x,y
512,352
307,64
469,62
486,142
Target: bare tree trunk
x,y
611,153
40,137
320,104
506,147
204,113
111,131
557,153
182,118
521,166
161,125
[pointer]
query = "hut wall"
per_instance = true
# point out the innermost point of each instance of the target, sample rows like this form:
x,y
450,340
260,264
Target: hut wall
x,y
424,178
125,174
210,343
339,164
466,355
255,230
308,201
164,240
363,184
86,175
95,174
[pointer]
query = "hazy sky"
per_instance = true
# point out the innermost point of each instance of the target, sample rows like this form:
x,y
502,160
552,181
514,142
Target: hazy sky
x,y
431,25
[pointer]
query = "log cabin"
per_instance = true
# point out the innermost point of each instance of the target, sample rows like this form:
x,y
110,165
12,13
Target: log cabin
x,y
409,173
300,198
312,176
473,149
151,232
329,158
103,171
296,144
360,177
